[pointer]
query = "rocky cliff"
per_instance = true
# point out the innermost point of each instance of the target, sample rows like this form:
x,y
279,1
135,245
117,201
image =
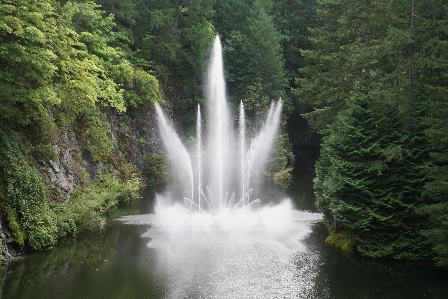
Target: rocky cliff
x,y
135,137
77,184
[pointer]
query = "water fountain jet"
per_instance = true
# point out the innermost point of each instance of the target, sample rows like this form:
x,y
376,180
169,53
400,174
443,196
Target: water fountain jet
x,y
221,165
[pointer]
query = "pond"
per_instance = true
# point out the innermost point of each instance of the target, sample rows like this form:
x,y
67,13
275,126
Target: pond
x,y
134,259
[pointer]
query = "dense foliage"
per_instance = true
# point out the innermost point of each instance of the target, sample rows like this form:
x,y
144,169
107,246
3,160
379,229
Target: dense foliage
x,y
34,220
377,83
61,65
370,77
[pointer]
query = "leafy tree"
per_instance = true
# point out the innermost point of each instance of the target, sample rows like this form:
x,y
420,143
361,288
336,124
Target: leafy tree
x,y
93,72
60,65
155,169
27,61
26,207
125,14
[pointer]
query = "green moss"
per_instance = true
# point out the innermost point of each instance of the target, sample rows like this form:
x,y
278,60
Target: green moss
x,y
13,224
344,240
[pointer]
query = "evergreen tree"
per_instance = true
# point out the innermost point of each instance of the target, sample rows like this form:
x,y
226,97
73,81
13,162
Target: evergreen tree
x,y
394,49
363,184
230,17
353,42
265,62
230,21
436,190
293,19
430,72
172,39
251,48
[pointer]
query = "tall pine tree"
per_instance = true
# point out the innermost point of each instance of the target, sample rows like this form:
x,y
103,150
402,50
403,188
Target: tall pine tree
x,y
363,184
431,73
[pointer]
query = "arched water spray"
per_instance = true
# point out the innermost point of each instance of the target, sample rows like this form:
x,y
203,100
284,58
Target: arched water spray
x,y
224,168
261,145
177,153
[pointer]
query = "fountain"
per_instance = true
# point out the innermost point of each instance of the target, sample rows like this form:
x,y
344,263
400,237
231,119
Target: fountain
x,y
216,177
211,235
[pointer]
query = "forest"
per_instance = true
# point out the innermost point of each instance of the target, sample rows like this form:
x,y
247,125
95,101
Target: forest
x,y
367,79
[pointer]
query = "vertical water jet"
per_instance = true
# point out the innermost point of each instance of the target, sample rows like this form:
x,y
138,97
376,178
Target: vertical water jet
x,y
225,170
242,158
199,153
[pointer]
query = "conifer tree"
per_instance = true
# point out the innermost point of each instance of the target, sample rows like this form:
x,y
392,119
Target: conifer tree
x,y
265,62
430,71
172,38
364,182
293,19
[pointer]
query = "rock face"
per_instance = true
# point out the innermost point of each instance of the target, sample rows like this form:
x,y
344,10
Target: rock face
x,y
61,172
134,134
64,180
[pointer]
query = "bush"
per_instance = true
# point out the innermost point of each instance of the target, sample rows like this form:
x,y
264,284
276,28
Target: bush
x,y
155,170
26,203
36,222
283,177
344,240
89,205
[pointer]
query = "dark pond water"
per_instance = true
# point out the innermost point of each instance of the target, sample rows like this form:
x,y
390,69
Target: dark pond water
x,y
140,261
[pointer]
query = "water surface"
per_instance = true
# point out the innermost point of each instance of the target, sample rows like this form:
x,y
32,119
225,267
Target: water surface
x,y
137,260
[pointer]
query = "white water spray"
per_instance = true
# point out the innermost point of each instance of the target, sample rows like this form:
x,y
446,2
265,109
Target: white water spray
x,y
224,169
199,154
220,242
178,155
242,153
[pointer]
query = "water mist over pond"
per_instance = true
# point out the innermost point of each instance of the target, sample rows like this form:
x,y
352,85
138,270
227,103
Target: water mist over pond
x,y
213,237
215,180
217,176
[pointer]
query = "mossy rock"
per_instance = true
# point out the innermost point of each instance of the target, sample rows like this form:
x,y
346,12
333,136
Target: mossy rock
x,y
344,240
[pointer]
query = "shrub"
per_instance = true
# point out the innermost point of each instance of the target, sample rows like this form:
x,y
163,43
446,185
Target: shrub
x,y
26,201
155,169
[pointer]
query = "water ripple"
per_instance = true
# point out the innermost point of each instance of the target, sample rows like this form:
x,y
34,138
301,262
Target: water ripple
x,y
266,258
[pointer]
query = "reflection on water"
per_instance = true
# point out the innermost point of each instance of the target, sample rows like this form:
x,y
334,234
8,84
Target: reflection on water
x,y
137,260
260,257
